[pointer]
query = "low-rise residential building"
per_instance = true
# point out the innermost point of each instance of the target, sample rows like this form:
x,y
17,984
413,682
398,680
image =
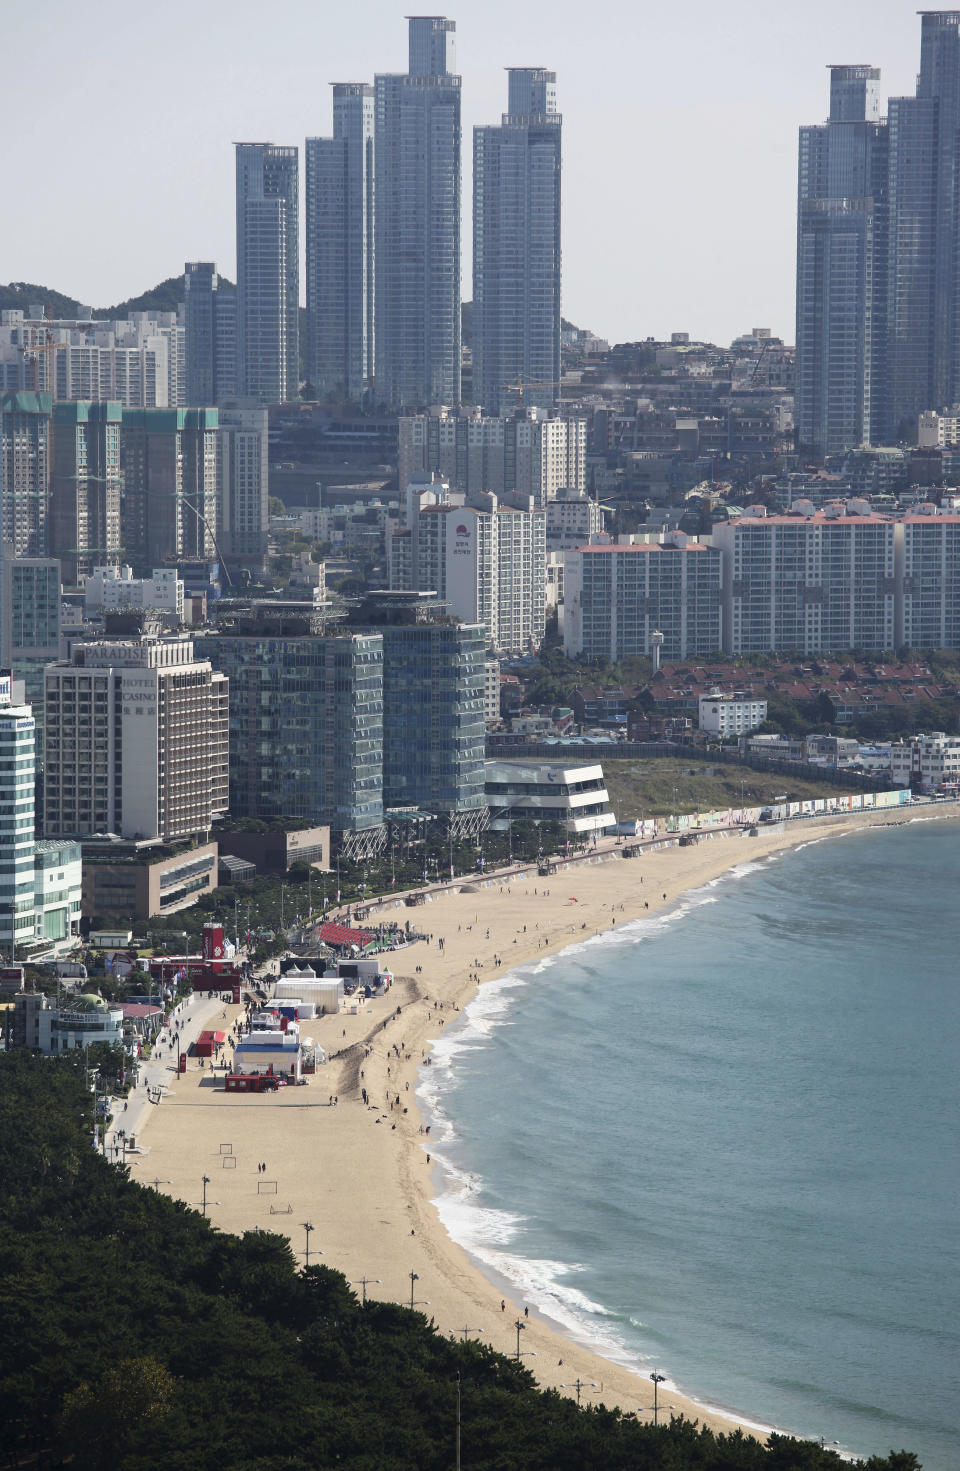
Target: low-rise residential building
x,y
549,791
927,763
731,714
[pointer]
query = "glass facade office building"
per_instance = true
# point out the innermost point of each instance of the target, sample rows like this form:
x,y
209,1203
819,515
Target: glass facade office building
x,y
306,725
433,717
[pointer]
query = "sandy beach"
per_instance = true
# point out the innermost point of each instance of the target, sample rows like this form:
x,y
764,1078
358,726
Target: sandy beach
x,y
359,1173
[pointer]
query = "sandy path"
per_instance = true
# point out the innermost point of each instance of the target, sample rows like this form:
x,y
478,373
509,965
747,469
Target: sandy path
x,y
359,1174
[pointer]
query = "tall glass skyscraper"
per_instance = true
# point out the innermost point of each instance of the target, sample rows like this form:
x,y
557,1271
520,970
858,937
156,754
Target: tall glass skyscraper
x,y
516,248
433,721
268,272
210,322
417,151
340,277
878,268
841,277
924,306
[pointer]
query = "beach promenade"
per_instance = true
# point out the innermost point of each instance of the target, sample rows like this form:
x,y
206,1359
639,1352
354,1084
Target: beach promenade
x,y
360,1174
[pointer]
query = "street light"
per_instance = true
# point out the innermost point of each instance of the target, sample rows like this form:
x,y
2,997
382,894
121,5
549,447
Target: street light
x,y
580,1384
657,1380
363,1283
206,1182
420,1302
306,1256
528,1353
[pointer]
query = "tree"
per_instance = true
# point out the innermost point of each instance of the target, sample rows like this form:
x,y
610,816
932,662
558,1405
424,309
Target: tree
x,y
98,1421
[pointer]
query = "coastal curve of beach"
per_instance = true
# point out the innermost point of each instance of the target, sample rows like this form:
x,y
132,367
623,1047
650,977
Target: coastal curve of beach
x,y
362,1174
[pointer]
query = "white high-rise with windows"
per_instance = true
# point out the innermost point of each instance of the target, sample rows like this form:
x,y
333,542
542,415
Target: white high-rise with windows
x,y
137,741
17,835
268,272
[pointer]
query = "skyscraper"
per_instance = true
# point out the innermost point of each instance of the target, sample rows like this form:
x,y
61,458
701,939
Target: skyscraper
x,y
171,486
268,274
87,484
25,471
243,515
137,736
340,259
417,232
17,832
924,292
516,247
210,322
841,269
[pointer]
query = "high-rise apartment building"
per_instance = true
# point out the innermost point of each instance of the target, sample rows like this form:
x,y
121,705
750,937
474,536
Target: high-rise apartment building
x,y
527,452
306,720
516,248
139,362
814,582
616,597
928,557
243,511
17,831
878,291
25,471
340,247
485,558
924,204
841,269
268,273
210,335
417,228
171,486
29,624
137,735
87,485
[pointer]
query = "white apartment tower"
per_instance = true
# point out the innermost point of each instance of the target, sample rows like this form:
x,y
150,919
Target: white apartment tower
x,y
621,601
137,741
526,452
268,273
17,837
815,582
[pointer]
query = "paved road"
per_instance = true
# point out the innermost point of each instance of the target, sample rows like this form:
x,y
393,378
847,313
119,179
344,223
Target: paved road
x,y
158,1072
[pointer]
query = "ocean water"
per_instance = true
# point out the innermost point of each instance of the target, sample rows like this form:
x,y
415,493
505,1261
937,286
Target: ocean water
x,y
723,1142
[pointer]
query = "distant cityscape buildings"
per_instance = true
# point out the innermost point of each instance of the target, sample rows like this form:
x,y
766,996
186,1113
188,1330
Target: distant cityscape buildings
x,y
878,295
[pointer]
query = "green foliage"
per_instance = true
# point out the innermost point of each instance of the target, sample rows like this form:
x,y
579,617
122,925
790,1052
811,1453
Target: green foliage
x,y
137,1336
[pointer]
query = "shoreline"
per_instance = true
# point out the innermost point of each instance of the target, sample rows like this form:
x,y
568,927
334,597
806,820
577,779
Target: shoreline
x,y
364,1177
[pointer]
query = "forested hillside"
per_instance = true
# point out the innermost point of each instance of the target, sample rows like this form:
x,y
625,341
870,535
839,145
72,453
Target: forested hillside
x,y
135,1336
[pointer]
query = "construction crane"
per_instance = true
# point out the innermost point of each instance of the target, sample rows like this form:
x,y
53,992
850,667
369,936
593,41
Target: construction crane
x,y
33,351
522,384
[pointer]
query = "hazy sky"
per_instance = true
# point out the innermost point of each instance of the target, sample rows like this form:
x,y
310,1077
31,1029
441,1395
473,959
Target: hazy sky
x,y
680,129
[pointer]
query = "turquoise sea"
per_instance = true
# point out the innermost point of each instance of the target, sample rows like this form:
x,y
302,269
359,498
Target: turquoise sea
x,y
723,1142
